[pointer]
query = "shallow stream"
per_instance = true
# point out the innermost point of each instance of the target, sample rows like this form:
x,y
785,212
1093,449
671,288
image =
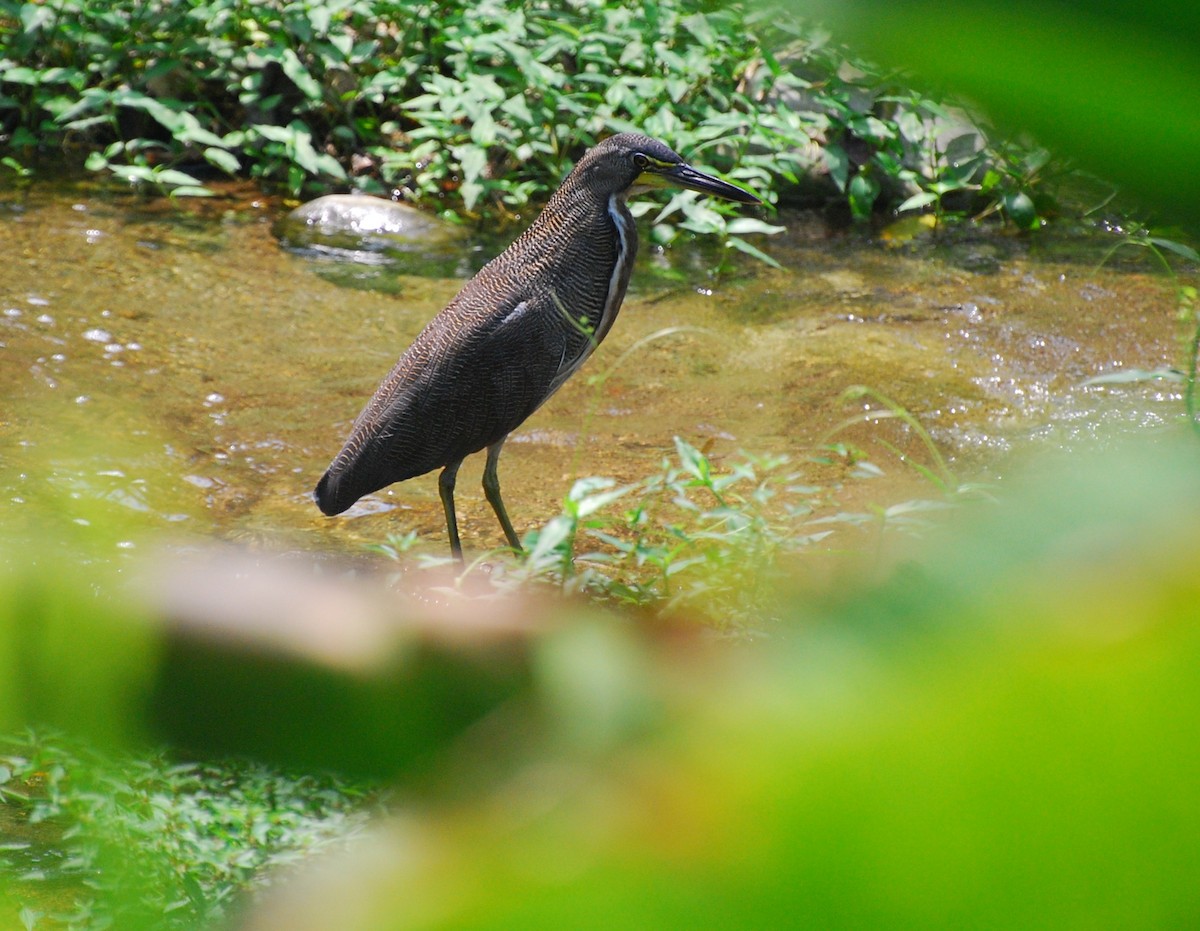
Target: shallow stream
x,y
179,363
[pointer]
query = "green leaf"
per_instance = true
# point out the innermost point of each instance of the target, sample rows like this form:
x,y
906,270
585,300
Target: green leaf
x,y
962,148
36,16
677,203
223,159
22,138
917,201
473,160
1178,248
87,122
744,225
21,75
693,461
284,134
290,62
329,166
88,101
485,131
296,178
303,151
1020,209
173,120
134,174
9,162
554,533
863,192
593,502
173,176
192,131
190,190
697,24
741,245
71,76
470,191
701,218
518,109
838,163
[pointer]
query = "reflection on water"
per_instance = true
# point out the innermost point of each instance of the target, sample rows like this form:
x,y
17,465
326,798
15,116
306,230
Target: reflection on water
x,y
177,363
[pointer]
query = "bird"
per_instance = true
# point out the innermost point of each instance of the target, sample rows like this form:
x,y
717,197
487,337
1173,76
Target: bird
x,y
514,333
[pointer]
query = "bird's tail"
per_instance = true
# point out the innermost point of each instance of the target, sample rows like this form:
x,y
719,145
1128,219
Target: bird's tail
x,y
326,495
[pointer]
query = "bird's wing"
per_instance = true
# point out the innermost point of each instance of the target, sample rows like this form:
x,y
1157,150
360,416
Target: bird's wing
x,y
473,375
573,336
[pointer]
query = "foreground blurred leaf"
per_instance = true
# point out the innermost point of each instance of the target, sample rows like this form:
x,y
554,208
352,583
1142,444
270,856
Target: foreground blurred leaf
x,y
1110,84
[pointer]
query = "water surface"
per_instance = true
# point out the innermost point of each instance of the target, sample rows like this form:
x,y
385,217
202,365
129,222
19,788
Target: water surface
x,y
178,364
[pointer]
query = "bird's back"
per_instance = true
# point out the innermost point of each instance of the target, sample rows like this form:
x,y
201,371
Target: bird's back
x,y
495,354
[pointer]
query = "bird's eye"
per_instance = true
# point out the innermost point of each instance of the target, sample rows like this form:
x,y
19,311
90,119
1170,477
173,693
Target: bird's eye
x,y
640,161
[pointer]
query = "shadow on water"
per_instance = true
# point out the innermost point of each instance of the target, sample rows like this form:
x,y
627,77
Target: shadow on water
x,y
177,363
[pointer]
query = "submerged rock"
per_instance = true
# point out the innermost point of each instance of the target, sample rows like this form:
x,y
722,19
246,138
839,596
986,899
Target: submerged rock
x,y
359,227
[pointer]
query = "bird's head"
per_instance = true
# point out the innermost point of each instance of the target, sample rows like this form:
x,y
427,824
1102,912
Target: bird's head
x,y
630,163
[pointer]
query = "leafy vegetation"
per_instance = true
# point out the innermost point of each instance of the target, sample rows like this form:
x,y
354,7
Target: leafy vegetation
x,y
1065,71
712,542
479,108
1040,80
1001,734
939,725
189,836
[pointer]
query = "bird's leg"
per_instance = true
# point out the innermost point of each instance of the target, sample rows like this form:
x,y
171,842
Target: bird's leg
x,y
491,490
446,490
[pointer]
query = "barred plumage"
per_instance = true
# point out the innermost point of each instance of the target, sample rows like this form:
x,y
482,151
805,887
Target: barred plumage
x,y
511,336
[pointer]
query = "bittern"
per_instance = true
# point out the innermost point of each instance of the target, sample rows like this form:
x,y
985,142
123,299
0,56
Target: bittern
x,y
515,332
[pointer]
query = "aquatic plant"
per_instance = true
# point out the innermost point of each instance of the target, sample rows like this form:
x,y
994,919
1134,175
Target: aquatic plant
x,y
713,540
1162,249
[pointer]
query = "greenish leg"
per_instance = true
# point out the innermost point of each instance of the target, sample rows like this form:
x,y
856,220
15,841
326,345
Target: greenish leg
x,y
491,489
446,490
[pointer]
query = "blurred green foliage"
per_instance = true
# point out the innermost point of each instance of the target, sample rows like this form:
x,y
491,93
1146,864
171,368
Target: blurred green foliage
x,y
1109,84
1001,733
189,836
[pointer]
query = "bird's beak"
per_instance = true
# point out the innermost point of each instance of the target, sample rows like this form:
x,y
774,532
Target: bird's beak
x,y
686,176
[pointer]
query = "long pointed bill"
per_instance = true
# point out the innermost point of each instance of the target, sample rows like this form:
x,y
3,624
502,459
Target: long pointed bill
x,y
688,177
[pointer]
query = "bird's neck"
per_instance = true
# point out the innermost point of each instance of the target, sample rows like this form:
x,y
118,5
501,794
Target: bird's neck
x,y
577,205
578,222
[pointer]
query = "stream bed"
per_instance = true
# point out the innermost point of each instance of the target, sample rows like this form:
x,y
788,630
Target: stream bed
x,y
177,363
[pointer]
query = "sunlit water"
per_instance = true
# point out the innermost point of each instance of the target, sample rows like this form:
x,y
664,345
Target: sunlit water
x,y
177,363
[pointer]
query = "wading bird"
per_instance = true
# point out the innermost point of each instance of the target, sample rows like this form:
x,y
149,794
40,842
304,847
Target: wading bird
x,y
512,336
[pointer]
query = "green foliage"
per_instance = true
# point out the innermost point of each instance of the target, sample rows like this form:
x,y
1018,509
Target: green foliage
x,y
694,538
1000,735
1001,731
479,108
710,541
190,836
1033,67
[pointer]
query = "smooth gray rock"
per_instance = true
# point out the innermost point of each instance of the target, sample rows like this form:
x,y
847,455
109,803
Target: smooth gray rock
x,y
353,222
